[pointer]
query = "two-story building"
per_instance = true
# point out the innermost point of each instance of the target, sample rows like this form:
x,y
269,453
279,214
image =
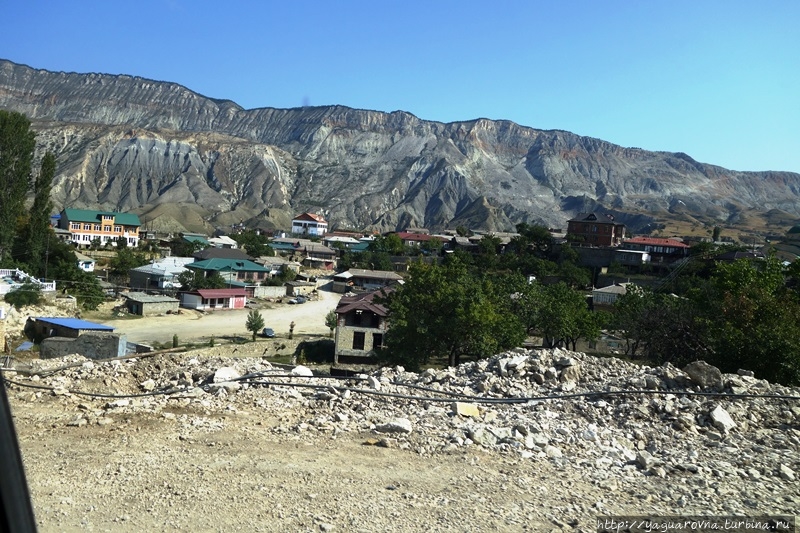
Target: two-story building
x,y
361,325
357,279
661,250
309,224
595,230
85,225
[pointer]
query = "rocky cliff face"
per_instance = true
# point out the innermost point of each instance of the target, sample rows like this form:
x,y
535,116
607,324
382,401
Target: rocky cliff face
x,y
128,143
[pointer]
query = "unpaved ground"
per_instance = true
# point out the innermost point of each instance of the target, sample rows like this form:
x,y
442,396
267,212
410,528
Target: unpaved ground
x,y
193,326
278,452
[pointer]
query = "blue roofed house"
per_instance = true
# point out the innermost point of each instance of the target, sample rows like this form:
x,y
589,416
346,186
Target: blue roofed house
x,y
44,327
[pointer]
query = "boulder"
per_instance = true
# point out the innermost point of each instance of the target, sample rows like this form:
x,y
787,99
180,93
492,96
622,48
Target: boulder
x,y
704,375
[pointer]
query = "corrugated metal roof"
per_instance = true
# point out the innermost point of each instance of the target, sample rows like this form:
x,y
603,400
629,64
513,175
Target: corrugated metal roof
x,y
220,293
74,323
87,215
142,297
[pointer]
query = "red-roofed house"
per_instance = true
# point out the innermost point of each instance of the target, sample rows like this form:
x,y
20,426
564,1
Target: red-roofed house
x,y
661,250
210,299
309,224
360,328
415,239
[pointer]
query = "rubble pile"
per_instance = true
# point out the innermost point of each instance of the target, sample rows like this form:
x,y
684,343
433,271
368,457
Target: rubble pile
x,y
723,442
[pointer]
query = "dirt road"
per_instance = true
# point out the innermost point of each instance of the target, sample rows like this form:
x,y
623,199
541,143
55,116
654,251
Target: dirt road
x,y
193,326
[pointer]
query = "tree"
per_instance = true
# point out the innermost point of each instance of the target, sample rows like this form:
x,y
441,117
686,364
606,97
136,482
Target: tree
x,y
17,143
443,312
752,320
255,322
564,316
36,235
192,280
26,294
123,262
331,320
391,244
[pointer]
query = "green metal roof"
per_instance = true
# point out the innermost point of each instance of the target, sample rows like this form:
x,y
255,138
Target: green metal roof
x,y
87,215
195,238
235,265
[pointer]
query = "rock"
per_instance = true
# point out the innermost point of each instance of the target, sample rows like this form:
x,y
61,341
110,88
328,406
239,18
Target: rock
x,y
228,386
746,373
226,373
303,371
374,383
645,460
704,375
148,385
786,473
553,452
396,425
480,435
466,409
571,373
721,419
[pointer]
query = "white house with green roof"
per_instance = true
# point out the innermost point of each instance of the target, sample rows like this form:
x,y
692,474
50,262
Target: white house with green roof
x,y
85,225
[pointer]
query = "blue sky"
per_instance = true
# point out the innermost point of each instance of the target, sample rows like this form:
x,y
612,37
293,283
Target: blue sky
x,y
715,79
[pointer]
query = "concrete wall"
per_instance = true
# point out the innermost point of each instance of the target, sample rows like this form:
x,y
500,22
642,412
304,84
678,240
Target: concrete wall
x,y
151,308
91,345
265,291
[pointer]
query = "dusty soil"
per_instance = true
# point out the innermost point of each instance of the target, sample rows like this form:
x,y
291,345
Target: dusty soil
x,y
194,326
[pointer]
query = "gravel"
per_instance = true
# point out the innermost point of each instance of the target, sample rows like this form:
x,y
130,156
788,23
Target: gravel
x,y
528,440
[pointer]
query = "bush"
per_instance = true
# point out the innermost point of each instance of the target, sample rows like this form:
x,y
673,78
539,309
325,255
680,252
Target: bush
x,y
26,294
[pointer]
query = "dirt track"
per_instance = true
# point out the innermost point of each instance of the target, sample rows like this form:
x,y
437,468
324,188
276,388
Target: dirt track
x,y
193,326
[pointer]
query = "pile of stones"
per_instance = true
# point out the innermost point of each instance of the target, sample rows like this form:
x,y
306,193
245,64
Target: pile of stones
x,y
610,420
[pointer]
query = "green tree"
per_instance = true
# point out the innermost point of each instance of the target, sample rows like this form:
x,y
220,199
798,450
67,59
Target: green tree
x,y
36,235
331,320
391,244
752,320
26,294
17,143
255,322
443,312
123,262
62,266
192,280
564,317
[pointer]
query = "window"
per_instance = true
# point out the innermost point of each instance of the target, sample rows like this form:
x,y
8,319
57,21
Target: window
x,y
87,227
74,225
377,340
117,229
97,227
358,340
107,228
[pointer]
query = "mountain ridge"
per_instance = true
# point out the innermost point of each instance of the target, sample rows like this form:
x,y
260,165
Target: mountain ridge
x,y
130,143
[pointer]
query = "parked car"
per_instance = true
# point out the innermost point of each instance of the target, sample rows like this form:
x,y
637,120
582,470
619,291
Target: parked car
x,y
268,333
298,300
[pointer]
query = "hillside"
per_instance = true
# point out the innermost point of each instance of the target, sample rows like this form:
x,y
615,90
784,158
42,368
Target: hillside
x,y
128,143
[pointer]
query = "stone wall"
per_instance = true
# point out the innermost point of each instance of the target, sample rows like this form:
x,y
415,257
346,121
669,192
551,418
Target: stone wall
x,y
94,345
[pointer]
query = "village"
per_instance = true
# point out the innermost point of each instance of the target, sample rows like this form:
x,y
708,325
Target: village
x,y
300,282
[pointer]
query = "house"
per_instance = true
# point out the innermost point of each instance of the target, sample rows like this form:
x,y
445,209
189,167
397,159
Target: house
x,y
339,241
214,299
661,250
318,256
595,230
86,225
361,325
276,264
139,303
309,224
608,296
193,238
231,269
85,262
220,253
299,288
631,257
161,274
44,327
415,239
357,279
